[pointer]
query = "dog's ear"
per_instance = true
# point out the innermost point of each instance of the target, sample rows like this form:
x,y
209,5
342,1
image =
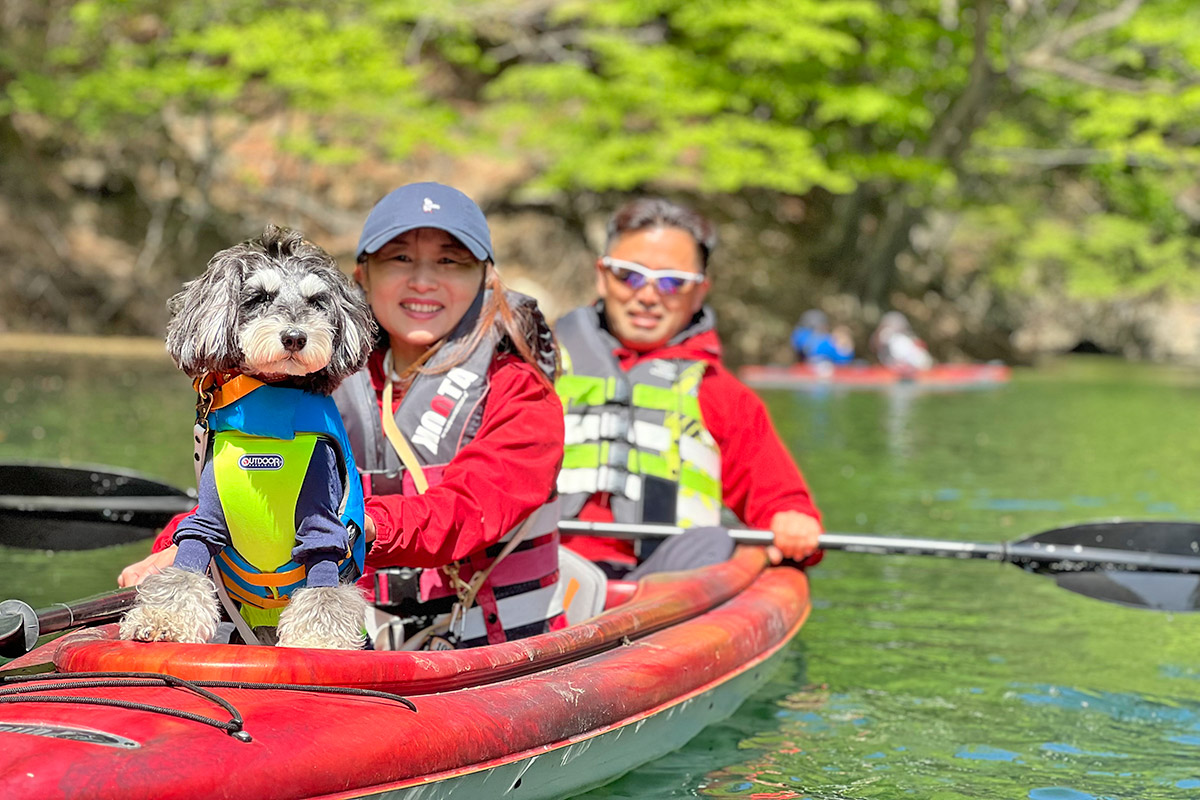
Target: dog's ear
x,y
202,331
354,328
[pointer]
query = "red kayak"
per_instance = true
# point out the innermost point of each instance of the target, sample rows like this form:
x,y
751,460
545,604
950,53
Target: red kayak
x,y
874,376
545,717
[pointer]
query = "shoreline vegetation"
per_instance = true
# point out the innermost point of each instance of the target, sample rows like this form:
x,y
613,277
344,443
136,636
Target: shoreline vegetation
x,y
28,344
1017,178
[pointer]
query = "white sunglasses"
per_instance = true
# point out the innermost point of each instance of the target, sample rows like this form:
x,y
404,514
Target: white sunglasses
x,y
635,276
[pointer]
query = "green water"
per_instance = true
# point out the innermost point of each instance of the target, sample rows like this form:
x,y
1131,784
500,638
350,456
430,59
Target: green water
x,y
914,678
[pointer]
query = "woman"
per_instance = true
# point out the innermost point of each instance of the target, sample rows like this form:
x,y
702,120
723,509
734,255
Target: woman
x,y
455,428
896,346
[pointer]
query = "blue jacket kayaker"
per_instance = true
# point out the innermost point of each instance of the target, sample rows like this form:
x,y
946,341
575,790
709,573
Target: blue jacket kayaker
x,y
813,341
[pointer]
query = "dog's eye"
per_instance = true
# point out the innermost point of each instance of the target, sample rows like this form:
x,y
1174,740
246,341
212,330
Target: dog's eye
x,y
258,297
320,301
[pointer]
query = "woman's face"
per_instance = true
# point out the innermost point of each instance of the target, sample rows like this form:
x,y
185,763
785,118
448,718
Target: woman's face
x,y
645,318
420,285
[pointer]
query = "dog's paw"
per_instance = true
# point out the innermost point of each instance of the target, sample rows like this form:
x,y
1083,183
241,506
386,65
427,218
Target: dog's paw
x,y
324,617
173,606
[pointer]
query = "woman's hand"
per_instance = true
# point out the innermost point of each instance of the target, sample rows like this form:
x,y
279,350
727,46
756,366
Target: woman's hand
x,y
796,536
138,571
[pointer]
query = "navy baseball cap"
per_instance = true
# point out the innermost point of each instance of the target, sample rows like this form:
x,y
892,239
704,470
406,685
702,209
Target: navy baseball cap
x,y
427,205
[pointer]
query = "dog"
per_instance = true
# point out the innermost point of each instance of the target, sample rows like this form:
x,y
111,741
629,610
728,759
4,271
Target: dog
x,y
275,318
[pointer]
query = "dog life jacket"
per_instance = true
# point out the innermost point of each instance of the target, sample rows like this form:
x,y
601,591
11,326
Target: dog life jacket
x,y
637,435
439,414
263,438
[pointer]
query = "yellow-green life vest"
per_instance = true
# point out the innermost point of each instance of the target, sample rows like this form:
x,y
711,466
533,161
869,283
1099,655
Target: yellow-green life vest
x,y
258,481
637,435
261,447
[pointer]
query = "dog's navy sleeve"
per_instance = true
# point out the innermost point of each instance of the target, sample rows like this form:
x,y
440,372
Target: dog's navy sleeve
x,y
207,525
320,534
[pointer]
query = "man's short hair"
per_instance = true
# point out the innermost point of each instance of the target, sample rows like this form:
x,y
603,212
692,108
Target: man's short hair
x,y
655,212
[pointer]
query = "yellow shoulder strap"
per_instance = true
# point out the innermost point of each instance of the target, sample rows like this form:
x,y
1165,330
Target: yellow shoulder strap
x,y
399,443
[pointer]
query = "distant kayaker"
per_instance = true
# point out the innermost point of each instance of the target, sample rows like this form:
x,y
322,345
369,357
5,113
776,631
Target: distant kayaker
x,y
658,431
814,342
459,470
896,346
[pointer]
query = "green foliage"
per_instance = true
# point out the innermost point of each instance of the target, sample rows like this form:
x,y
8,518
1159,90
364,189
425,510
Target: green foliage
x,y
1093,173
1065,144
130,62
711,96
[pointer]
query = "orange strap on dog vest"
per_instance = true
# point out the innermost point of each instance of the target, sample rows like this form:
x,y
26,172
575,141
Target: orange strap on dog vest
x,y
214,390
224,393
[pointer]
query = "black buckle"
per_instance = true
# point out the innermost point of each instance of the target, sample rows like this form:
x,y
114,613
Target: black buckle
x,y
398,590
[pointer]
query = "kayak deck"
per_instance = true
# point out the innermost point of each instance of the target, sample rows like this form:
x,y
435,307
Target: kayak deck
x,y
589,703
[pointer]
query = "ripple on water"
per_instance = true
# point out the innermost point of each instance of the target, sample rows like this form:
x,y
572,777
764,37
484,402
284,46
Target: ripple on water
x,y
1072,750
1061,793
986,753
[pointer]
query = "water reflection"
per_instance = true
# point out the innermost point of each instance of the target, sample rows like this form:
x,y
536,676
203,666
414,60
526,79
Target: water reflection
x,y
97,409
924,677
831,745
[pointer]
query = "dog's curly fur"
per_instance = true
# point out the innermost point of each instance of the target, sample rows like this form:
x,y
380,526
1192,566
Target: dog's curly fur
x,y
328,617
173,606
276,306
233,316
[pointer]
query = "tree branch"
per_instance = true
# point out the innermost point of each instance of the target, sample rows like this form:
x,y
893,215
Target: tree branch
x,y
1051,54
1105,21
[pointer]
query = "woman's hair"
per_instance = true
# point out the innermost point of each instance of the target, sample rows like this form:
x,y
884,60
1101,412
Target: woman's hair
x,y
655,212
524,331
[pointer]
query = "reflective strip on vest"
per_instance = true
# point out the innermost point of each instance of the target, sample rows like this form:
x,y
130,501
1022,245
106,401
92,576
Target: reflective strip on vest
x,y
625,427
518,610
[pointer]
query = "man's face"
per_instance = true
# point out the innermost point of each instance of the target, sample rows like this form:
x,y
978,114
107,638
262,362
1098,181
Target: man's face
x,y
646,318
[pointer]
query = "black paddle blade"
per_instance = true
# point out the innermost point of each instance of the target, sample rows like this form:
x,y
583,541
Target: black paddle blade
x,y
20,530
1136,588
1143,536
1160,591
75,526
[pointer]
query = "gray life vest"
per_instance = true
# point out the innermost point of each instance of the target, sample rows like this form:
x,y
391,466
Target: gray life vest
x,y
637,435
439,414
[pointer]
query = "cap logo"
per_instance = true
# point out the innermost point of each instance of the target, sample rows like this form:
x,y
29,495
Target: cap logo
x,y
429,207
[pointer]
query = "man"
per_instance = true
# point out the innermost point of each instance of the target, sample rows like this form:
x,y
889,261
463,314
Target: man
x,y
657,430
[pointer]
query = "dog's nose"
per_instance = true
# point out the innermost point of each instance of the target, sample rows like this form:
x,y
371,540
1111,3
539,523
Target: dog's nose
x,y
293,340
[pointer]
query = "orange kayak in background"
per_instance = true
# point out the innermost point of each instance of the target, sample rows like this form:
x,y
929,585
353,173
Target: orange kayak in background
x,y
873,376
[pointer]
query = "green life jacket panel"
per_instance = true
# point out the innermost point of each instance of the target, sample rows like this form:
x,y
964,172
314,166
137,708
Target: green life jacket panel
x,y
259,483
637,435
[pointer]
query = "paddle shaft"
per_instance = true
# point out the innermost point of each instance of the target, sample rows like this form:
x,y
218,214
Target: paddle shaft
x,y
1037,555
1034,555
21,625
169,506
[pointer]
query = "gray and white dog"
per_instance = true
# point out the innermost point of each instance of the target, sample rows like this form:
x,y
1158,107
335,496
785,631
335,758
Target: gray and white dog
x,y
278,309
